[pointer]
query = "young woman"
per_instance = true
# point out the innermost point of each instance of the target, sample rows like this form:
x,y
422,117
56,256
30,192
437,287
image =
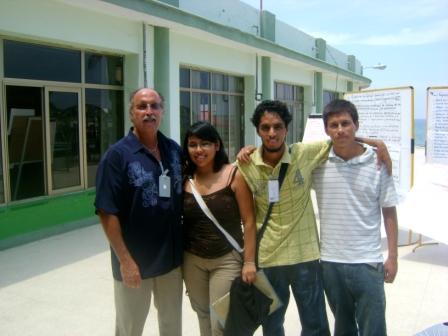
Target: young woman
x,y
210,262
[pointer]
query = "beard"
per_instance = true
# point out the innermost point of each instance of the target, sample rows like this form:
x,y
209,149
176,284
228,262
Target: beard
x,y
273,150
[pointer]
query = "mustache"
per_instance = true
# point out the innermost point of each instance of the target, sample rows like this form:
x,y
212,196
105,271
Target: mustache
x,y
149,118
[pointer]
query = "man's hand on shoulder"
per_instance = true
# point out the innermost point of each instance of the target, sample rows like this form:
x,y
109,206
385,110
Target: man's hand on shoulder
x,y
244,154
383,156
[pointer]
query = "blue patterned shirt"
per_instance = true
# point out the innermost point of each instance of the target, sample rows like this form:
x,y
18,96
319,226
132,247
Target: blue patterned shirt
x,y
127,186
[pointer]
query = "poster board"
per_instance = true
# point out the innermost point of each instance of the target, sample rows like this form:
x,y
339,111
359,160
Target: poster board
x,y
437,125
388,114
314,129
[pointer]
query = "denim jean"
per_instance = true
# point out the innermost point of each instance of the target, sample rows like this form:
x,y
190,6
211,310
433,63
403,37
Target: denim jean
x,y
356,296
306,284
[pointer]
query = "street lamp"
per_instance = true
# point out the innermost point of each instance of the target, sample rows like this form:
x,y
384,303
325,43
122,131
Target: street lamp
x,y
379,66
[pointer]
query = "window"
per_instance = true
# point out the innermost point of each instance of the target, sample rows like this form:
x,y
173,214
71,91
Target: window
x,y
33,61
328,96
293,97
102,69
217,98
51,146
104,126
24,107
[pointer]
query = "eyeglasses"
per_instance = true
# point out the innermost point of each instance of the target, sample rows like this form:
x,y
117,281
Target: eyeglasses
x,y
202,145
145,106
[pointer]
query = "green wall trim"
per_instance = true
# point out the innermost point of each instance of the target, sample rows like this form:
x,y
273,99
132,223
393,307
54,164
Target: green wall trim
x,y
45,213
46,232
162,71
170,13
318,92
266,85
268,25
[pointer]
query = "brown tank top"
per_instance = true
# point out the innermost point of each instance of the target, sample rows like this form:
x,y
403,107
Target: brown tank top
x,y
201,236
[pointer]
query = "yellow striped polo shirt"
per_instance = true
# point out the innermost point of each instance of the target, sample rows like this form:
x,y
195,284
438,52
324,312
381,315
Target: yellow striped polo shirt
x,y
291,233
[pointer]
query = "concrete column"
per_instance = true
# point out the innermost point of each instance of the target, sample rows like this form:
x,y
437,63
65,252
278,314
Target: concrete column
x,y
162,71
321,52
351,65
267,23
266,85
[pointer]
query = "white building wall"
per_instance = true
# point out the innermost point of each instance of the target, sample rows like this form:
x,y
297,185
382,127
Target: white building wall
x,y
70,26
334,83
291,38
336,57
290,74
233,13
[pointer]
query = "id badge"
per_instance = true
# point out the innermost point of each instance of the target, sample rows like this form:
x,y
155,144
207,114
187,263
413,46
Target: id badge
x,y
273,191
164,186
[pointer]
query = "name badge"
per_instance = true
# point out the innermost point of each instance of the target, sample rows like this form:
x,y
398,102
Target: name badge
x,y
164,186
273,191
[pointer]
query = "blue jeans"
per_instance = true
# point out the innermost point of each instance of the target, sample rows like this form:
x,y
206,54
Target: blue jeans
x,y
356,296
306,283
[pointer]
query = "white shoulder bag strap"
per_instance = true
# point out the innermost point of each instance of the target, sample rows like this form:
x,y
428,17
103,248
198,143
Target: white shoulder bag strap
x,y
209,214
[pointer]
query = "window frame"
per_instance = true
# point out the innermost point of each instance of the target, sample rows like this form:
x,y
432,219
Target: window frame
x,y
212,92
82,86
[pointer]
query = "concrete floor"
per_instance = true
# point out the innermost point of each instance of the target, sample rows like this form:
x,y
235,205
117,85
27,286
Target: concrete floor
x,y
63,286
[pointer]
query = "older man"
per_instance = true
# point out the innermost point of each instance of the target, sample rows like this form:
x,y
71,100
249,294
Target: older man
x,y
139,201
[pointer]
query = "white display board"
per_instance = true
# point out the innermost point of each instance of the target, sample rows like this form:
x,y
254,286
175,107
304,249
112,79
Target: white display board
x,y
437,125
314,129
388,114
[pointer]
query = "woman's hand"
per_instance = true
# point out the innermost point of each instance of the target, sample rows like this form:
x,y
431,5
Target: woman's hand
x,y
249,272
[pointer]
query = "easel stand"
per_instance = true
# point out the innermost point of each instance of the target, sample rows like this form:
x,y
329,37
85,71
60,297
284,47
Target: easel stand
x,y
420,243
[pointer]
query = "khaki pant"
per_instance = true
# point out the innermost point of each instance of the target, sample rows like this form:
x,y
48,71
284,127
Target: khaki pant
x,y
206,281
132,305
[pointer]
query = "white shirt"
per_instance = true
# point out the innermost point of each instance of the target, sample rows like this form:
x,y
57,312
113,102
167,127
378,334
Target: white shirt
x,y
350,195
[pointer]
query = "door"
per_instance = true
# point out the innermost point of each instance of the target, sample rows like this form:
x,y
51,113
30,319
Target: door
x,y
64,141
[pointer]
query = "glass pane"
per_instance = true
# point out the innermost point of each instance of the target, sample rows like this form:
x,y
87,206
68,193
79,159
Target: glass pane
x,y
33,61
184,78
236,115
200,80
25,142
64,139
200,109
220,82
185,114
102,69
236,84
220,117
104,126
328,96
299,93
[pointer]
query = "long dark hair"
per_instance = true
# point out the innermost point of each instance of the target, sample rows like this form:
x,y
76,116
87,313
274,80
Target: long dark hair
x,y
204,131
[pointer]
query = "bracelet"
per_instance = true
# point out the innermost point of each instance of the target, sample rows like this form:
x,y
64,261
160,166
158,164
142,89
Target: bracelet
x,y
249,263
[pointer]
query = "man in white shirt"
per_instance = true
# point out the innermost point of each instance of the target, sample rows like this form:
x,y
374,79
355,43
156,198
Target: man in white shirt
x,y
352,193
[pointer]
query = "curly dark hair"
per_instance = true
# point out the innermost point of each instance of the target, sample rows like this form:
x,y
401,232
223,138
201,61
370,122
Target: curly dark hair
x,y
204,131
271,106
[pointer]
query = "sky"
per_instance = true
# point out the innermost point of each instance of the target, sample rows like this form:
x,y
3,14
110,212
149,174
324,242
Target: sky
x,y
410,37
